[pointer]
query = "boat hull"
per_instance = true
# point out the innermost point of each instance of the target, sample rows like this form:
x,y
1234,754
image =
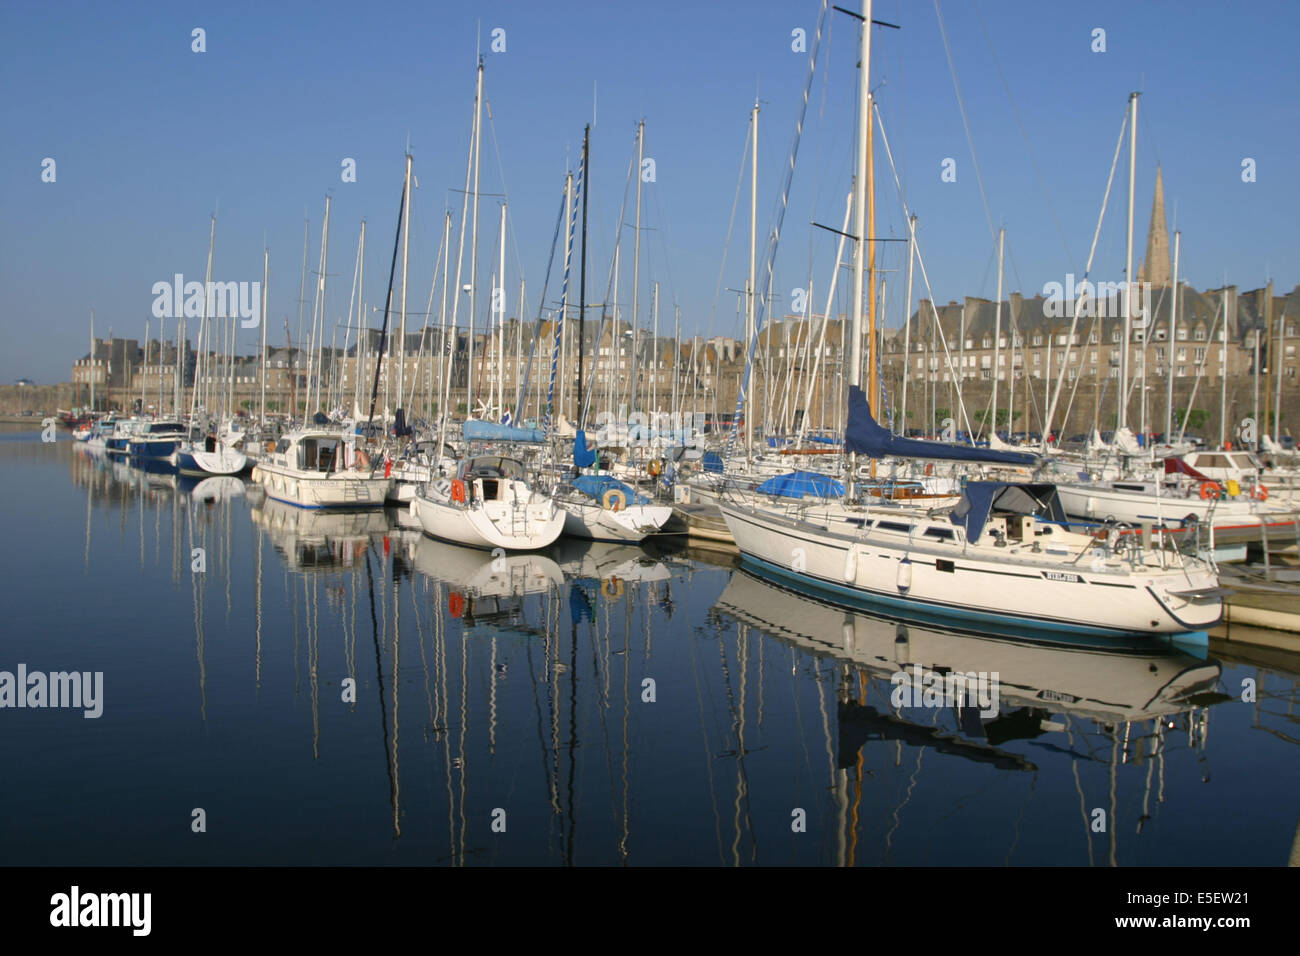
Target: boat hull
x,y
339,490
630,524
225,461
474,526
972,590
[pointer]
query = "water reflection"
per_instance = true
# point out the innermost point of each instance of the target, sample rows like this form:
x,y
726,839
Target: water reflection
x,y
627,705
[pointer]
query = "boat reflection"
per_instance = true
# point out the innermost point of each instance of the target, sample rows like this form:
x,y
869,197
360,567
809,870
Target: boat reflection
x,y
314,540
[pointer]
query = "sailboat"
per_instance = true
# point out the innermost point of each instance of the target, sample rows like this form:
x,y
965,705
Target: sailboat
x,y
1002,556
489,503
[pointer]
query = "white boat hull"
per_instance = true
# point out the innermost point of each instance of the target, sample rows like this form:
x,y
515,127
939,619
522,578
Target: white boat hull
x,y
966,587
631,524
344,489
526,524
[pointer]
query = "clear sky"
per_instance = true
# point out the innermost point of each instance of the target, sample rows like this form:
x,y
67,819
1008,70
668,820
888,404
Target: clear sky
x,y
150,138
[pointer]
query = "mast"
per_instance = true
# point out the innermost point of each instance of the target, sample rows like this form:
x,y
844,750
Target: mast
x,y
266,275
860,200
363,319
654,355
324,271
1255,377
145,365
636,267
302,300
388,302
162,338
907,327
92,361
582,267
751,285
1223,374
997,333
207,284
473,242
406,249
1173,344
1122,421
499,306
443,356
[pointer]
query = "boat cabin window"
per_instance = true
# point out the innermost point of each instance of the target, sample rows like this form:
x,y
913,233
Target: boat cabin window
x,y
317,454
1121,487
493,466
893,526
1242,461
282,445
943,534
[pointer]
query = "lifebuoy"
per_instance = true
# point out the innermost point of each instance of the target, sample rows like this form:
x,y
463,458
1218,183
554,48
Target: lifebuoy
x,y
929,469
613,500
612,588
655,468
458,491
456,604
1259,492
1209,489
270,447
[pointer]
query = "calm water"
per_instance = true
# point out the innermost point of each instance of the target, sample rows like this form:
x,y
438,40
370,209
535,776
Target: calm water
x,y
598,704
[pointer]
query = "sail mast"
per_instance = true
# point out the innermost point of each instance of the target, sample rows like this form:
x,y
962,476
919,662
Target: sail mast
x,y
1122,420
752,284
582,270
997,332
406,249
860,201
473,241
266,275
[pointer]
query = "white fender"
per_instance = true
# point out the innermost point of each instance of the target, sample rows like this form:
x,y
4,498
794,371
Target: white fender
x,y
904,574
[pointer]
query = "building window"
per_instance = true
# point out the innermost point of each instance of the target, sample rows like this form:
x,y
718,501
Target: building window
x,y
1038,340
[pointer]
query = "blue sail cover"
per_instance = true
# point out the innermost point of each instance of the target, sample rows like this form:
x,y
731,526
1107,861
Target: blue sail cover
x,y
866,437
582,456
595,486
476,430
798,484
711,462
981,498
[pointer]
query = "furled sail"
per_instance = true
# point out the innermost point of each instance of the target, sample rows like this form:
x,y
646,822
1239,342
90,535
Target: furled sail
x,y
865,436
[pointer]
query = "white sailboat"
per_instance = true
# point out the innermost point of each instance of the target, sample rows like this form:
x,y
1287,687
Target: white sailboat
x,y
321,468
489,504
1001,557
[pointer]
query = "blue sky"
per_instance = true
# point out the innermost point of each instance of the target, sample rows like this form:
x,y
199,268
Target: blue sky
x,y
151,138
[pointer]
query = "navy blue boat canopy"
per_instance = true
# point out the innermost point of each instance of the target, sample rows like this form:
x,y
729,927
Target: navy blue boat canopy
x,y
798,484
984,498
595,486
583,457
867,437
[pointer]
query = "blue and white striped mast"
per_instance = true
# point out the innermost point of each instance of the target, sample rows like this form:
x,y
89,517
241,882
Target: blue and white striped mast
x,y
572,214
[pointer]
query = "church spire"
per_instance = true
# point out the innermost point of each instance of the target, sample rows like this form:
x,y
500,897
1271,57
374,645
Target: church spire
x,y
1155,265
